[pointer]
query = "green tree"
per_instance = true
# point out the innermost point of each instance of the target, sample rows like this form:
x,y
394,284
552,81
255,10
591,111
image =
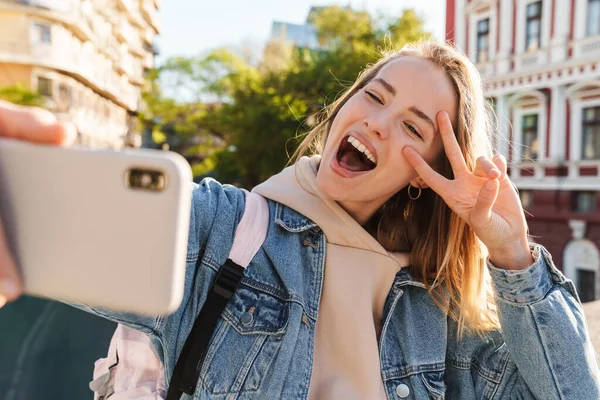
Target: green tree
x,y
269,108
175,124
18,94
258,112
341,27
405,29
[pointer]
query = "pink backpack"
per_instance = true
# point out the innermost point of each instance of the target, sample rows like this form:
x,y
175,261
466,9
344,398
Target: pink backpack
x,y
132,370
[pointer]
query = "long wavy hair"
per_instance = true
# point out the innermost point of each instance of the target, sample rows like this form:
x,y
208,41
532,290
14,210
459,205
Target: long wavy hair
x,y
445,253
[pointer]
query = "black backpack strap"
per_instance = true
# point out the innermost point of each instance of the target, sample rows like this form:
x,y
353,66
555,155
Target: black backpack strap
x,y
185,374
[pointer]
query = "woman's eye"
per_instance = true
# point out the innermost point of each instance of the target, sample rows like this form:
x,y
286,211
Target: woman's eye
x,y
413,130
373,97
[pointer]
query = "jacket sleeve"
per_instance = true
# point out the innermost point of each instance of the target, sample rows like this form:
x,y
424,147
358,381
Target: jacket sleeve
x,y
545,331
209,200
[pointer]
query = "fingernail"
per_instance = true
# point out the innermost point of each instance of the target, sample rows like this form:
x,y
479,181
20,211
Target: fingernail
x,y
8,288
2,301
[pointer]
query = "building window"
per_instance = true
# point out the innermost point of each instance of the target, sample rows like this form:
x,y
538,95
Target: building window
x,y
43,33
593,18
584,202
586,285
591,133
45,86
65,98
483,40
534,26
530,137
526,197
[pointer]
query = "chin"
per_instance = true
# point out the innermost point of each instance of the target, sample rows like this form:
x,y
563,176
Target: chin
x,y
335,188
330,185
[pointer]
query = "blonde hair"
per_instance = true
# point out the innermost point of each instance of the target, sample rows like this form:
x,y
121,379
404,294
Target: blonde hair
x,y
454,270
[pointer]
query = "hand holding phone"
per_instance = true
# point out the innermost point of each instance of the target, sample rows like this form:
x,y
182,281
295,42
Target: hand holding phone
x,y
37,126
98,227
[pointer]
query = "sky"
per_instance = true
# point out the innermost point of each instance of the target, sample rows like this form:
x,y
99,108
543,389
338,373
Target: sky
x,y
192,27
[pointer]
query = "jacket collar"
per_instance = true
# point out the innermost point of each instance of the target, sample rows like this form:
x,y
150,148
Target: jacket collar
x,y
404,278
293,221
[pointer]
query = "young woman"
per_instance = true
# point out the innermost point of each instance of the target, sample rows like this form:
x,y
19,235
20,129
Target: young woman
x,y
396,263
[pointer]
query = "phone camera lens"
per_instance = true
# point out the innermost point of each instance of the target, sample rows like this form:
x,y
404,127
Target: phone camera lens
x,y
146,180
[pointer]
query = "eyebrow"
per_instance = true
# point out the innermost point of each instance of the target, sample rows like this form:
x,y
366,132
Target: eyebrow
x,y
386,85
423,116
413,109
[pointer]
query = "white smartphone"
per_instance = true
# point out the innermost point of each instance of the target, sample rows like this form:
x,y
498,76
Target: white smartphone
x,y
100,227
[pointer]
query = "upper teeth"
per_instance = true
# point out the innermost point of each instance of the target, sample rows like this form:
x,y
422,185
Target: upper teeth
x,y
361,147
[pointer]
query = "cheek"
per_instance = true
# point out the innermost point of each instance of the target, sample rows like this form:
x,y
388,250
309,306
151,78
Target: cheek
x,y
434,152
349,113
338,127
430,153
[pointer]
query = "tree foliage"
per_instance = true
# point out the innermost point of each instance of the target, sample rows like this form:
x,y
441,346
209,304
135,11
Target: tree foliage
x,y
250,116
18,94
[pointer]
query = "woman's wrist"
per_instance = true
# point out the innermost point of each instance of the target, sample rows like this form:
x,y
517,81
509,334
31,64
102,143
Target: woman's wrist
x,y
512,257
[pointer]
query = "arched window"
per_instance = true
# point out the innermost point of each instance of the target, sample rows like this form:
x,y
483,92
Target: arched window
x,y
584,102
482,21
581,263
528,112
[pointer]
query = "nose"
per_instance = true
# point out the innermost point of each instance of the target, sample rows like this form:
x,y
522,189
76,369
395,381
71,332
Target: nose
x,y
376,125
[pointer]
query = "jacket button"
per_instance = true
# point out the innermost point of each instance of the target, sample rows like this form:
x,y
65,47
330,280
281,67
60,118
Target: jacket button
x,y
308,243
246,318
402,391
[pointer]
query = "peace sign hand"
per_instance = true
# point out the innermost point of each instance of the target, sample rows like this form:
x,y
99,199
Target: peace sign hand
x,y
484,198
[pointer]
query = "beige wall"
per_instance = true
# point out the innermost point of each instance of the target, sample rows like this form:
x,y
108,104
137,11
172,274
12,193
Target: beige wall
x,y
13,27
96,60
15,74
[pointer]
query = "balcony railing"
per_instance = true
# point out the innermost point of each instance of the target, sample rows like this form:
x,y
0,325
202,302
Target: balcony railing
x,y
530,59
124,32
485,69
587,48
54,5
136,47
149,35
125,5
149,61
552,175
68,12
149,13
69,59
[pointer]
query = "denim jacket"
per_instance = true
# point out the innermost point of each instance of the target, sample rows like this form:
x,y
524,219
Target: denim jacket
x,y
543,352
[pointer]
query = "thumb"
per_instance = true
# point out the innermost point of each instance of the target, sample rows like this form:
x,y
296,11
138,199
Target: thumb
x,y
34,124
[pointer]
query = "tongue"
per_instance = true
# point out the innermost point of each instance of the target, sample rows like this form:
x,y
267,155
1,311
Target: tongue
x,y
352,160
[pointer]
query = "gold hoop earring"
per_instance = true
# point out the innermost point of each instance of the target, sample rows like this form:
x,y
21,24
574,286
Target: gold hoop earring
x,y
410,195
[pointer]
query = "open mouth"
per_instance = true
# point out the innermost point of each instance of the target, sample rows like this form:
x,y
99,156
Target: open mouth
x,y
352,155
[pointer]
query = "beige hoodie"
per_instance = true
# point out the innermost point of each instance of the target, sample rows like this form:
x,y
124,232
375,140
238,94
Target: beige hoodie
x,y
359,274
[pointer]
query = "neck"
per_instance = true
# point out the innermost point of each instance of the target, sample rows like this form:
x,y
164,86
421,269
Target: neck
x,y
361,212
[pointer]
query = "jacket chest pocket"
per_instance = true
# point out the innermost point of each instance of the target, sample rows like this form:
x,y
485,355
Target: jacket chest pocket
x,y
418,386
245,342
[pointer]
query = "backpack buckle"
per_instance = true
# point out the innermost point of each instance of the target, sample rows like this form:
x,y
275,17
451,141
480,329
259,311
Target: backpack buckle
x,y
228,278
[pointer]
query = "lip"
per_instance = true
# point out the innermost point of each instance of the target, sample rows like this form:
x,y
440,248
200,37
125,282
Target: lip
x,y
343,172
